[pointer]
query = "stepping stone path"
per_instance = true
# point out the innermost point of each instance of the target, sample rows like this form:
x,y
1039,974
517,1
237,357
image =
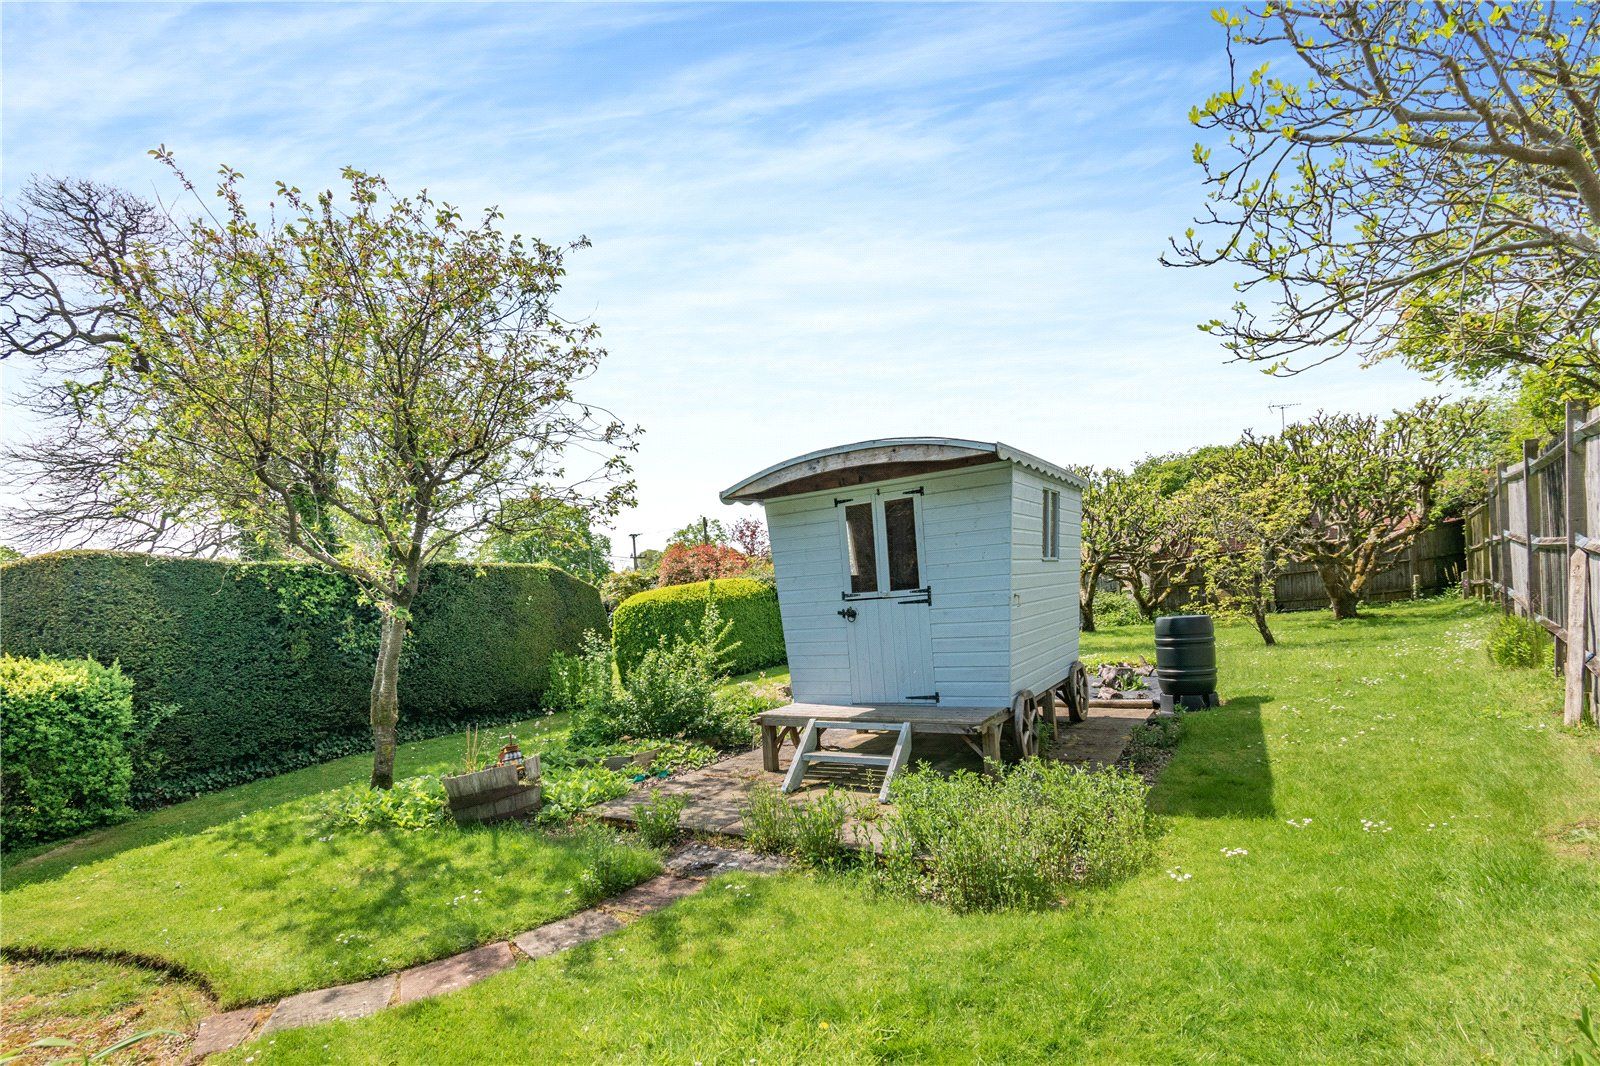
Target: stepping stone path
x,y
686,871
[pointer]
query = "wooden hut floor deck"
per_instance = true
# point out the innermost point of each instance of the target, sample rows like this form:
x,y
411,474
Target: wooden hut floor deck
x,y
717,794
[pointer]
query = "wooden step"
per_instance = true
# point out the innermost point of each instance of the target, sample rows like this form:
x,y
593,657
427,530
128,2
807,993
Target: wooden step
x,y
848,757
809,750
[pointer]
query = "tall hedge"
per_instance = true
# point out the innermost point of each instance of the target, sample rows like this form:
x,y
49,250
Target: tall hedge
x,y
269,665
64,752
641,621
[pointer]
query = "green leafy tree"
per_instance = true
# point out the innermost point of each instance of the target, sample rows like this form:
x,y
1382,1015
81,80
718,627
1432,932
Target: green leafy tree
x,y
1240,519
701,531
365,381
1428,173
1365,487
558,533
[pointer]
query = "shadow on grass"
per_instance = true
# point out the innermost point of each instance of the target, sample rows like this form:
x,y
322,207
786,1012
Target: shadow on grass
x,y
1221,768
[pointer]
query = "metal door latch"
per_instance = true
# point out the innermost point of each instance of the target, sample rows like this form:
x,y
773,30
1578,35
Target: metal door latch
x,y
848,614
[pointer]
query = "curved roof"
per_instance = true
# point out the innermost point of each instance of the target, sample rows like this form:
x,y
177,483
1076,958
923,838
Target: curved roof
x,y
881,460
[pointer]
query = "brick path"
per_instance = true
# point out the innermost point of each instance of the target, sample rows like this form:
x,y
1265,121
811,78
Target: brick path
x,y
686,871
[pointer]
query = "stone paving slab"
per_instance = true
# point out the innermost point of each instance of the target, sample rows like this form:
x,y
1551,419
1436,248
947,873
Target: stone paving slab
x,y
654,894
707,860
456,972
567,933
223,1032
328,1004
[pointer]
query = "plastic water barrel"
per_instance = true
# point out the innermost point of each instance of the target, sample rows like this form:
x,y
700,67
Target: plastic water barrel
x,y
1186,654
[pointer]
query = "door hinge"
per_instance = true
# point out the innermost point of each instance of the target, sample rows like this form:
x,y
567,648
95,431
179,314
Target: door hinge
x,y
837,501
913,492
932,699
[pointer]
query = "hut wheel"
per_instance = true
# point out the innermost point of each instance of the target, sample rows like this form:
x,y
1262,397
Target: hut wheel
x,y
1025,714
1077,693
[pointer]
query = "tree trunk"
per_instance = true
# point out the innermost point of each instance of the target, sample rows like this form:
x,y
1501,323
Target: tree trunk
x,y
1086,592
1341,597
385,708
1261,625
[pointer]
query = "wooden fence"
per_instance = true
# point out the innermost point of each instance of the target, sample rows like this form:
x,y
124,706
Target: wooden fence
x,y
1534,548
1433,564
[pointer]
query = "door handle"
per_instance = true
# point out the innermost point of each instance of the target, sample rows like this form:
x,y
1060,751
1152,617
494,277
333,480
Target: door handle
x,y
848,614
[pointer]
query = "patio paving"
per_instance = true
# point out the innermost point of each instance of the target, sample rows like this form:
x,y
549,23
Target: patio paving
x,y
717,794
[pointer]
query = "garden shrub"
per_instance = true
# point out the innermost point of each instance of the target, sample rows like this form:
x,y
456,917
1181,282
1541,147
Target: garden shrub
x,y
1518,642
658,818
267,666
1116,609
610,864
809,831
640,623
65,763
1023,839
673,694
412,804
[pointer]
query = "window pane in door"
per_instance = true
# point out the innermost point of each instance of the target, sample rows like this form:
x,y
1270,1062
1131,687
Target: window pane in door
x,y
862,546
900,529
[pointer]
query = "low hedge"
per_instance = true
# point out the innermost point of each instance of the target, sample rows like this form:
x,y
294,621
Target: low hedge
x,y
641,621
65,764
268,666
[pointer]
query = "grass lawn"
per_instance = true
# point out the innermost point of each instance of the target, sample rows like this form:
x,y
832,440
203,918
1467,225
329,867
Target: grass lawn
x,y
1370,855
247,890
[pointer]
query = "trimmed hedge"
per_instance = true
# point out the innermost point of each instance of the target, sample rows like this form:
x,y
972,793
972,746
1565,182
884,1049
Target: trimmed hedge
x,y
65,747
640,621
269,665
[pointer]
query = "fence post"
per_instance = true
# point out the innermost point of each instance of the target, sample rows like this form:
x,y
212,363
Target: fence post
x,y
1502,558
1577,624
1530,452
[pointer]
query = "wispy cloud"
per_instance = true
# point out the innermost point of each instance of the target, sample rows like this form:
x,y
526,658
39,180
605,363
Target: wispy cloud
x,y
812,224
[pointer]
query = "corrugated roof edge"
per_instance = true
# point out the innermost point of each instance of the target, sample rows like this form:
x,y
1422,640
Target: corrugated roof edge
x,y
1004,452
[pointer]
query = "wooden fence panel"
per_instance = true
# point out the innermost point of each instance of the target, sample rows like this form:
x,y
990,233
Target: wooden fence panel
x,y
1539,528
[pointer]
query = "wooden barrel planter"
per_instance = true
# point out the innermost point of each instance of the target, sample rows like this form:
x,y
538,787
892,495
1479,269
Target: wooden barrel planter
x,y
510,790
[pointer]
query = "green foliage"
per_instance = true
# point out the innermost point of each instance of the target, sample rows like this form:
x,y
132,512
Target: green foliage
x,y
1587,1053
1116,609
569,790
1149,744
581,684
641,622
609,864
809,831
559,534
1518,642
267,667
700,531
65,746
625,583
1021,840
412,804
658,818
675,693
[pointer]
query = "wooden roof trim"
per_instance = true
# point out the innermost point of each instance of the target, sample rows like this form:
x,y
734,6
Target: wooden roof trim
x,y
880,460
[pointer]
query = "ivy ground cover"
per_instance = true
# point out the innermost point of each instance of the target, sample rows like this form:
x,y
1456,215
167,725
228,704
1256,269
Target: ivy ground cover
x,y
1375,852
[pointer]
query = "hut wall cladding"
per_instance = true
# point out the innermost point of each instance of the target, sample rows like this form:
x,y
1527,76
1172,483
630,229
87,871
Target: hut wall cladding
x,y
1533,548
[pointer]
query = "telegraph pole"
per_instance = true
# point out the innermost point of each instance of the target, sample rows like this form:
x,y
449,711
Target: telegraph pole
x,y
635,538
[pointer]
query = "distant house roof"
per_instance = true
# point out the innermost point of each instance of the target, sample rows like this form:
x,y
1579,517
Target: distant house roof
x,y
880,460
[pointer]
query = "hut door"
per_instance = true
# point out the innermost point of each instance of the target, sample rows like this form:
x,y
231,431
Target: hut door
x,y
886,603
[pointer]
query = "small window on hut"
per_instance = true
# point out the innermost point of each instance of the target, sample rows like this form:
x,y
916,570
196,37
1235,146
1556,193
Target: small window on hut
x,y
863,547
900,530
1051,514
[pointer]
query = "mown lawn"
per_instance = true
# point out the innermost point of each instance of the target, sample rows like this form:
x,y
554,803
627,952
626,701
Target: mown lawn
x,y
1403,883
249,891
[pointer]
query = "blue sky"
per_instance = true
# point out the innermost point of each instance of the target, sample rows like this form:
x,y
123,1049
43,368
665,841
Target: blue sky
x,y
812,224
